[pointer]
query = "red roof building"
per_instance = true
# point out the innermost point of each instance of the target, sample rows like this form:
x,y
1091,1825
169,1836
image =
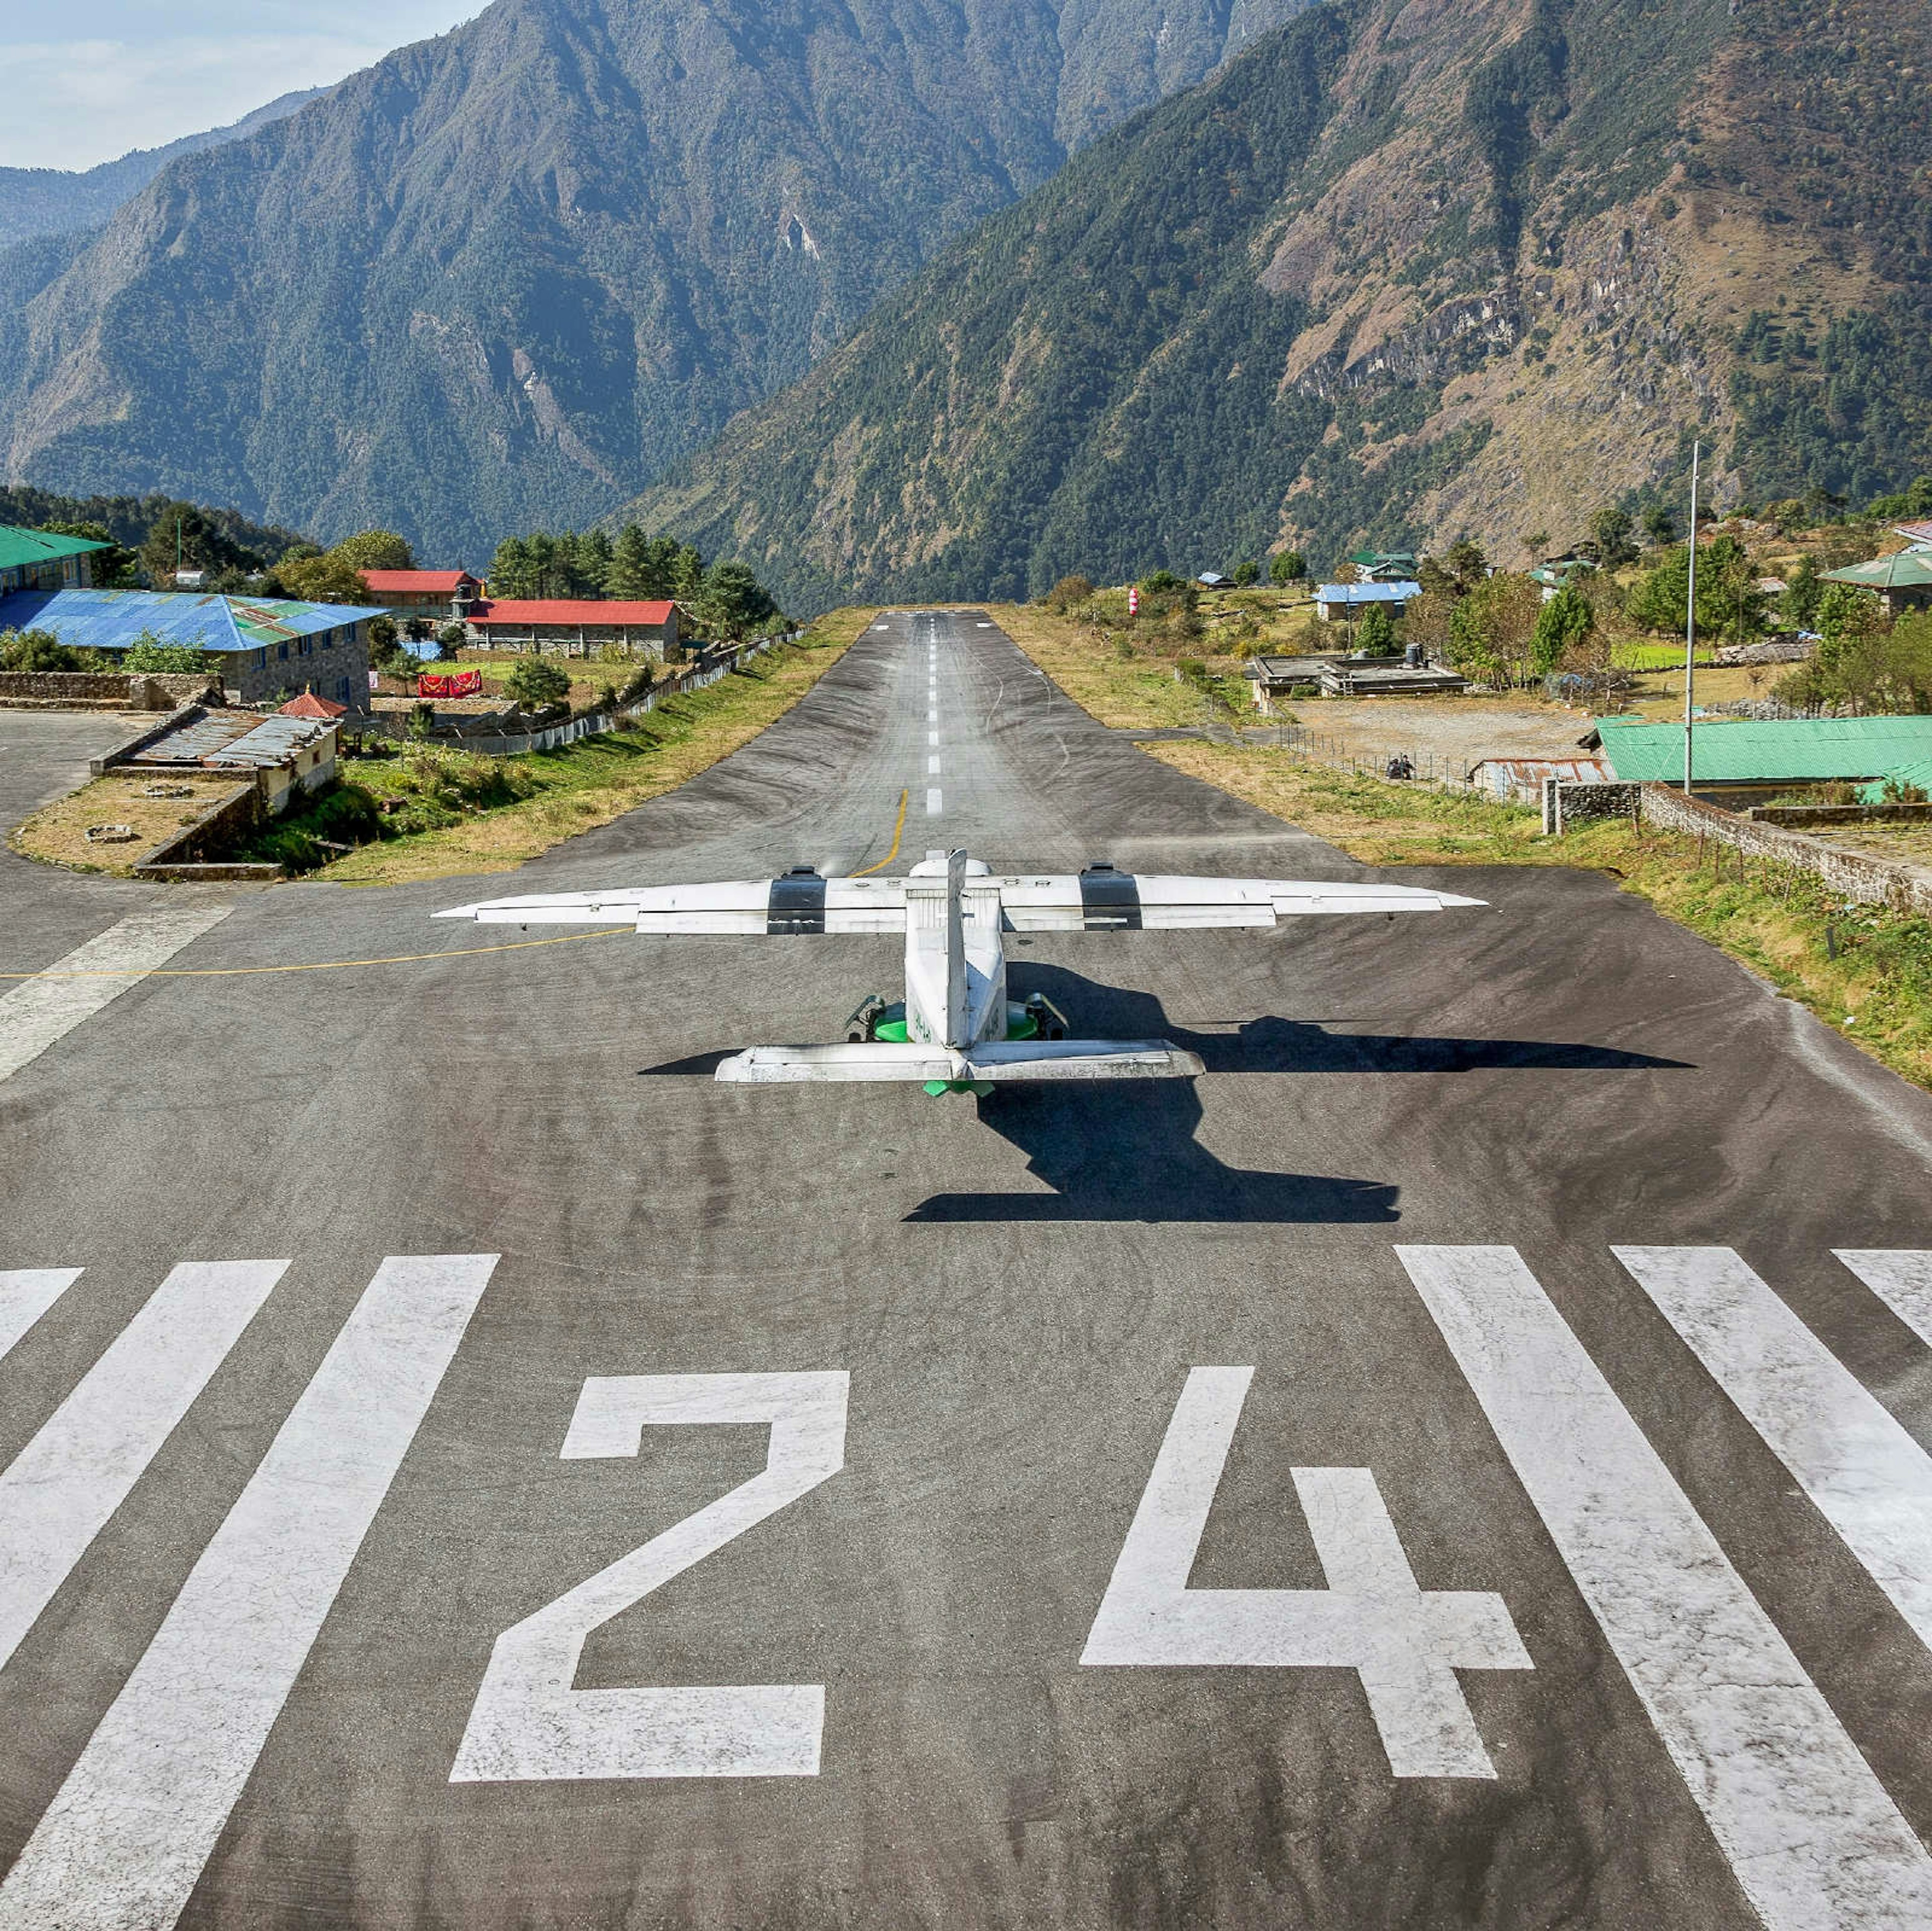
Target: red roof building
x,y
427,593
308,705
573,625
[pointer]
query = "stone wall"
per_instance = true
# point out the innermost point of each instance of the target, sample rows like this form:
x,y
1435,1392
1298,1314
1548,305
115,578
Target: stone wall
x,y
1870,880
1566,803
1796,817
106,690
210,833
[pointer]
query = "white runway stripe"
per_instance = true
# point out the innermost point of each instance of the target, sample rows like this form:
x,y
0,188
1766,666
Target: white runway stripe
x,y
1864,1473
38,1011
122,1845
932,737
1901,1277
932,803
932,715
1812,1837
932,767
62,1487
25,1294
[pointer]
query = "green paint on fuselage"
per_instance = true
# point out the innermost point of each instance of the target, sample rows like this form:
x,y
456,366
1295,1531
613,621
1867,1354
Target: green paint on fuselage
x,y
893,1027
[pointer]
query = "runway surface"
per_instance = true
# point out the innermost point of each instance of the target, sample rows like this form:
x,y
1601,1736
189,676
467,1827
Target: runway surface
x,y
1461,1462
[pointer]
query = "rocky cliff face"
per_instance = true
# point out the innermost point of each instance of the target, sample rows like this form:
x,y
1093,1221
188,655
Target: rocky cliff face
x,y
503,278
1500,262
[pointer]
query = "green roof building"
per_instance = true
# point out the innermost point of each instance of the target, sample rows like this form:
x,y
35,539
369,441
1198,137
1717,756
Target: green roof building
x,y
1903,581
37,560
1734,756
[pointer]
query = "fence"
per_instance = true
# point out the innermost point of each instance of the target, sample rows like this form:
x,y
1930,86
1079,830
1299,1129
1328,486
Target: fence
x,y
1427,766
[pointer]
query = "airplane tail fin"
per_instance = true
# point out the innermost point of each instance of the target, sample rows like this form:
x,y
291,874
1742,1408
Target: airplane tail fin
x,y
1002,1064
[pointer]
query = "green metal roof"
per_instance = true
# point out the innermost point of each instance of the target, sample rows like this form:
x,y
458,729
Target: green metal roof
x,y
1746,751
1919,773
19,547
1910,569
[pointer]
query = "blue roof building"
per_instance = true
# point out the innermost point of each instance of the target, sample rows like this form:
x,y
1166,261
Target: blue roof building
x,y
268,646
1333,601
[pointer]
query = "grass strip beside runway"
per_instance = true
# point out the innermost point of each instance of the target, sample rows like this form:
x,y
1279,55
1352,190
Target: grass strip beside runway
x,y
534,802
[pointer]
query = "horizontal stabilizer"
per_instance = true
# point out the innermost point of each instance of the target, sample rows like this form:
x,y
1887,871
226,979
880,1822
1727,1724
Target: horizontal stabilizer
x,y
1002,1063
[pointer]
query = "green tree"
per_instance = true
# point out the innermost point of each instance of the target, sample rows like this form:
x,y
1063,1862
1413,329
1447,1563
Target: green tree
x,y
687,575
510,573
376,549
382,635
566,569
451,638
1376,634
1157,582
734,603
1562,626
187,530
660,569
1659,524
149,653
1802,590
1729,604
1610,530
594,558
1246,572
1286,567
1466,562
1492,629
330,579
37,650
542,548
537,684
630,561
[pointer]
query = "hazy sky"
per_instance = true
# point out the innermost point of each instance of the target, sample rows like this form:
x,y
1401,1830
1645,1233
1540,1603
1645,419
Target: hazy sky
x,y
136,73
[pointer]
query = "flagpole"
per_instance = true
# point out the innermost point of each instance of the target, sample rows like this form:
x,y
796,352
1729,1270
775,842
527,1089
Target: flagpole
x,y
1690,619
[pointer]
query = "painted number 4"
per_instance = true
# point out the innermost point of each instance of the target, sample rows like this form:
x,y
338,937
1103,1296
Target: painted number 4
x,y
1405,1643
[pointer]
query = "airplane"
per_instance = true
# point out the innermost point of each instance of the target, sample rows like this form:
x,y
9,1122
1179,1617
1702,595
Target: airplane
x,y
955,1030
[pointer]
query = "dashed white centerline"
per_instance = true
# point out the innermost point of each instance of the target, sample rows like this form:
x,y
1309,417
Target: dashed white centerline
x,y
932,737
932,802
40,1011
932,767
932,714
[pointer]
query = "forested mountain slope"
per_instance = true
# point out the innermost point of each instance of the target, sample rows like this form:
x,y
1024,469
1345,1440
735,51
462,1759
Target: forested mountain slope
x,y
1406,269
504,277
35,202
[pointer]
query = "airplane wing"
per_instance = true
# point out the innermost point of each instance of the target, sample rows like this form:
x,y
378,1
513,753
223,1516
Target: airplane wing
x,y
988,1061
796,904
1102,900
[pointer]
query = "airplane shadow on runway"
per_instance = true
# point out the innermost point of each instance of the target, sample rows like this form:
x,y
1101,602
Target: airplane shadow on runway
x,y
1127,1152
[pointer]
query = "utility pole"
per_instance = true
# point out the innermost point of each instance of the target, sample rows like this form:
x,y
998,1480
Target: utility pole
x,y
1691,619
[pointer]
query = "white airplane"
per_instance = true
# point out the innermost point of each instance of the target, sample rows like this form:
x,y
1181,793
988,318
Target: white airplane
x,y
955,1030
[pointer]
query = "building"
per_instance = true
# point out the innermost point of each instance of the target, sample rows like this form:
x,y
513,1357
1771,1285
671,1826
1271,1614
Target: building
x,y
1213,580
265,647
573,627
1384,566
282,756
1743,761
1340,602
1276,679
438,594
1903,582
37,560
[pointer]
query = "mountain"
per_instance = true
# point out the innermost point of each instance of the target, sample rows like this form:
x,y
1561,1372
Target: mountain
x,y
1404,270
38,202
503,278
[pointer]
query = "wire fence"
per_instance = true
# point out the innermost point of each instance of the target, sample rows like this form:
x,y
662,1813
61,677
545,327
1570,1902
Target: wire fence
x,y
1397,761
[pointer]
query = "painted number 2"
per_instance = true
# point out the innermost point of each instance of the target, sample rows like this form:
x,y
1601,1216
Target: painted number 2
x,y
1405,1643
529,1721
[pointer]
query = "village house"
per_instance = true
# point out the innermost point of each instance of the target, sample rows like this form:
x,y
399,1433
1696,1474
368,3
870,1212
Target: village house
x,y
1383,566
265,647
1340,602
37,560
438,594
1903,582
574,626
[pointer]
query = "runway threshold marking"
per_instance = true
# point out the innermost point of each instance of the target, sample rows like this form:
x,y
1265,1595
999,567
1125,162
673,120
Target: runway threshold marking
x,y
25,1294
898,832
57,1495
316,965
933,801
48,1005
1864,1473
1901,1277
123,1843
1806,1826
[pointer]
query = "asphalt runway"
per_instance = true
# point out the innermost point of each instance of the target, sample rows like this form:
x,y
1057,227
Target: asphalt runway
x,y
1436,1469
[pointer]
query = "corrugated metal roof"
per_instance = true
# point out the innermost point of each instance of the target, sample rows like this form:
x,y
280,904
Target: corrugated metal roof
x,y
19,547
1367,593
1919,773
113,620
1909,569
400,583
569,610
238,737
1767,751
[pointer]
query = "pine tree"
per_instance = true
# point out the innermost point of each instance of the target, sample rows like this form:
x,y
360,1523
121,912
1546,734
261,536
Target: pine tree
x,y
630,563
510,571
688,577
661,567
543,564
594,557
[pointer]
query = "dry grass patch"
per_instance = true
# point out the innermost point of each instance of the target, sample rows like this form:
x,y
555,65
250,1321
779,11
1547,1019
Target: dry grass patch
x,y
56,834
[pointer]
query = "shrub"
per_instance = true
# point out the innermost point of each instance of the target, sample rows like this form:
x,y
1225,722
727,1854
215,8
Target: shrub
x,y
1377,635
148,654
1246,572
1068,592
1157,581
537,684
452,637
36,650
1287,566
382,633
1902,791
